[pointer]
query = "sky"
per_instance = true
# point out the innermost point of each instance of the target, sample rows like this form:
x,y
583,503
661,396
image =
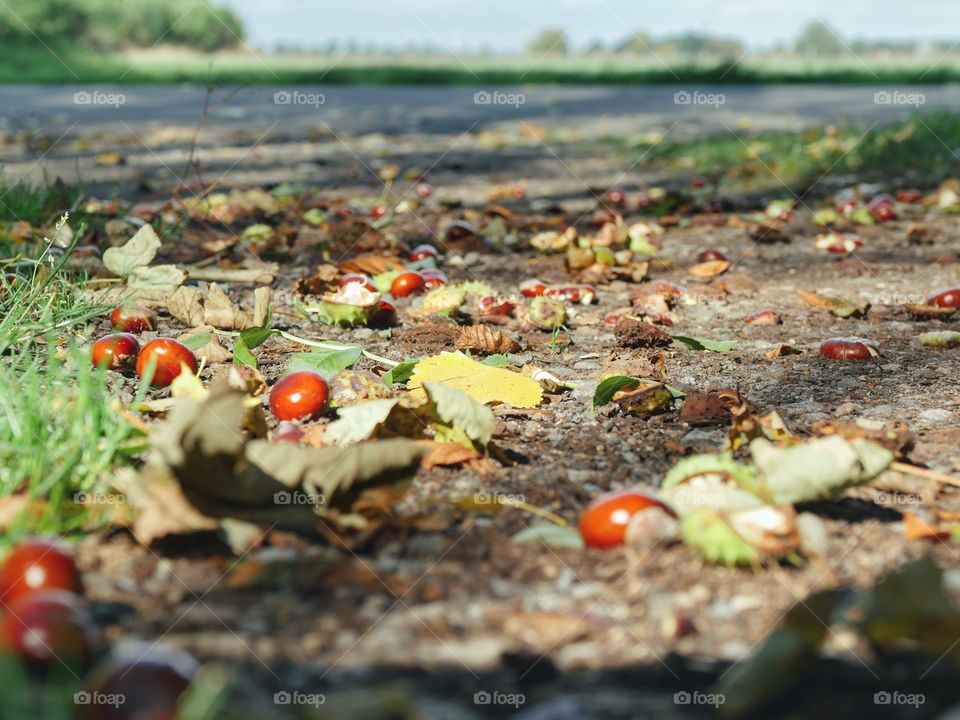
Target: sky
x,y
506,25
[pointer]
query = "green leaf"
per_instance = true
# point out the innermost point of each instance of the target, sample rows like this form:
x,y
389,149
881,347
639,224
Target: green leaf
x,y
324,362
551,535
195,342
720,346
496,361
457,408
255,336
612,385
401,373
249,339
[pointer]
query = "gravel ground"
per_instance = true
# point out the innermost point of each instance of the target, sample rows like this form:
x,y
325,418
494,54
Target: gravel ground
x,y
416,621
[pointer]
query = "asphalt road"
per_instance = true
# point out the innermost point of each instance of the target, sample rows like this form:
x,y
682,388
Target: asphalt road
x,y
392,110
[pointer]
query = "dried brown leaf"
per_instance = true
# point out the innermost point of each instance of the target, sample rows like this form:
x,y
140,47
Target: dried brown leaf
x,y
483,339
371,264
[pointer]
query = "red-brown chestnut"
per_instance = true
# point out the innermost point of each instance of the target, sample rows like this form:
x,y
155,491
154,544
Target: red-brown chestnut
x,y
849,348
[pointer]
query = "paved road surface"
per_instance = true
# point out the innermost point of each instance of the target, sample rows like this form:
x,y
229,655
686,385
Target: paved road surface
x,y
359,110
332,135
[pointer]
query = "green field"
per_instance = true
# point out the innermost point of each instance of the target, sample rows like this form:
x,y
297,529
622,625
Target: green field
x,y
36,64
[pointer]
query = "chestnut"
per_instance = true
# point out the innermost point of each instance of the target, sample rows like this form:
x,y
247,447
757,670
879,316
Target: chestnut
x,y
169,357
616,196
358,278
604,521
150,678
116,351
584,294
385,315
945,298
764,317
377,212
133,319
422,252
50,627
838,242
433,278
493,305
849,348
38,564
533,287
909,195
459,230
406,284
710,254
881,208
287,432
298,396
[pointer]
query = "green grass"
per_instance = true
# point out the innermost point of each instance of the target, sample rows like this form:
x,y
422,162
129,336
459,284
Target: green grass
x,y
919,151
60,433
35,64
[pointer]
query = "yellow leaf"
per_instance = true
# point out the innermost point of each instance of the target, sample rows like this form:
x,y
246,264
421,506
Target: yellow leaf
x,y
483,383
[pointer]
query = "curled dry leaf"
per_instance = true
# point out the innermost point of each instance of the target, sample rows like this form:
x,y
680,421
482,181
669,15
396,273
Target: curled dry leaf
x,y
370,264
480,338
634,333
896,437
929,312
189,306
768,232
156,278
704,409
262,297
219,311
224,474
446,454
917,528
782,350
186,305
138,252
322,281
644,401
212,351
838,306
709,269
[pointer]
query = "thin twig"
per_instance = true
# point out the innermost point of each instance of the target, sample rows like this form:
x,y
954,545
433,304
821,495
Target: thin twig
x,y
334,346
908,469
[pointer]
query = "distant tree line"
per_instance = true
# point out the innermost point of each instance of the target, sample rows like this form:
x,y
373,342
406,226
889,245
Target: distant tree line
x,y
118,24
816,40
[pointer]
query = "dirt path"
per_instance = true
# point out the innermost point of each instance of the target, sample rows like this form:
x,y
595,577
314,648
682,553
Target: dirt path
x,y
418,621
